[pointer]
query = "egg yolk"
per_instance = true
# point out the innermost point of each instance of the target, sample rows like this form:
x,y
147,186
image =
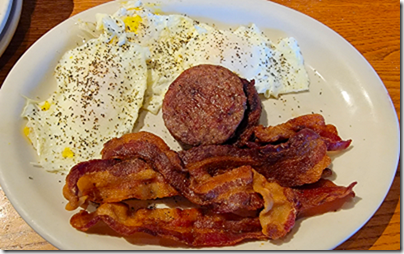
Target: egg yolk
x,y
132,23
45,106
67,153
26,131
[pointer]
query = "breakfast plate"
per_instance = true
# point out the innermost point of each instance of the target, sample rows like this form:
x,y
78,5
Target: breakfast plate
x,y
346,91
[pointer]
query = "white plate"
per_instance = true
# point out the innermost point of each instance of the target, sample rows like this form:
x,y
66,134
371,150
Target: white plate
x,y
5,9
10,26
344,89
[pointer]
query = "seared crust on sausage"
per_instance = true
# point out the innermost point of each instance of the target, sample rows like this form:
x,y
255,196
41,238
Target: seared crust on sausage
x,y
251,117
204,105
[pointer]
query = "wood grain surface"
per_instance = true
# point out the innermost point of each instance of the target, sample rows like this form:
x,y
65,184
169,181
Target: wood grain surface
x,y
372,27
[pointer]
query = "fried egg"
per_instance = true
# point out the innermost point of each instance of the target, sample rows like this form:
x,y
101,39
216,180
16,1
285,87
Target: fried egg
x,y
276,68
177,42
100,89
164,35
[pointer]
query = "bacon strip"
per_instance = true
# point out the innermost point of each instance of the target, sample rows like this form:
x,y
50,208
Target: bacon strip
x,y
279,215
230,192
315,122
284,205
200,160
196,228
112,180
156,153
300,160
189,226
322,196
70,189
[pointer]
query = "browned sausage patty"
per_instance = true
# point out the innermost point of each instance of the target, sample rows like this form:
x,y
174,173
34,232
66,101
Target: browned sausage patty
x,y
204,105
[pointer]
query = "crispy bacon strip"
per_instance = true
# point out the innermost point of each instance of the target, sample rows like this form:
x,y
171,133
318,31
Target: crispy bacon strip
x,y
284,205
112,180
300,160
200,160
315,122
129,145
189,226
70,189
156,153
279,215
229,192
322,196
196,228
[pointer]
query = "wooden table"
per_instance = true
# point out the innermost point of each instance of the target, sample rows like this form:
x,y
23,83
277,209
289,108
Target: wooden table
x,y
373,27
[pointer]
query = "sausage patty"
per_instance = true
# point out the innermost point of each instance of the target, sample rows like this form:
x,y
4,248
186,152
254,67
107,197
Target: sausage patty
x,y
204,105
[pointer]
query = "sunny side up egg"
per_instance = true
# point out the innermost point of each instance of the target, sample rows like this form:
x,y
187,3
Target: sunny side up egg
x,y
164,35
100,89
276,68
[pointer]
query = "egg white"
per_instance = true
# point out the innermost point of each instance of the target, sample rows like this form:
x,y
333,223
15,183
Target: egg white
x,y
276,68
100,89
164,35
